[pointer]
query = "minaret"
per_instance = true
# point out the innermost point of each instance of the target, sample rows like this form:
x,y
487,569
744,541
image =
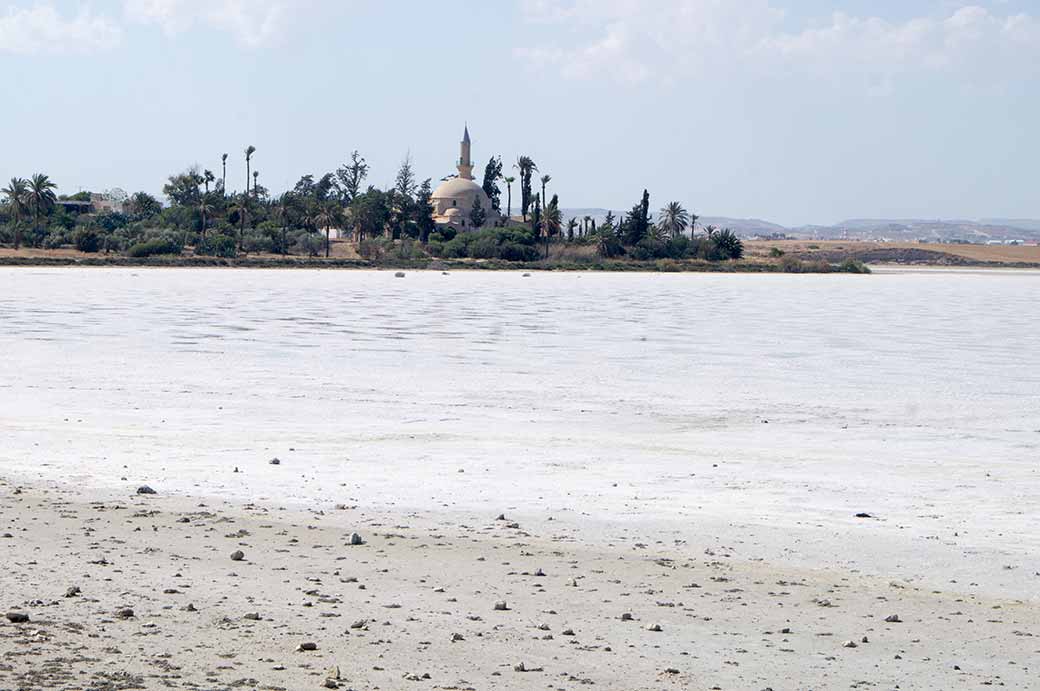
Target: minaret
x,y
465,164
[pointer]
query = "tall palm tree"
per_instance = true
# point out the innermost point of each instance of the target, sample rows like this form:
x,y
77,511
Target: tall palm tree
x,y
509,195
15,193
223,179
40,196
250,150
527,167
207,177
256,176
329,214
674,219
693,223
546,179
552,221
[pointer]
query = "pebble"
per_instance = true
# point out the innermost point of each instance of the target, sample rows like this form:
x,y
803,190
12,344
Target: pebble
x,y
306,647
501,606
850,644
18,617
125,613
654,627
893,619
355,539
145,489
72,591
627,616
274,461
399,274
238,555
252,616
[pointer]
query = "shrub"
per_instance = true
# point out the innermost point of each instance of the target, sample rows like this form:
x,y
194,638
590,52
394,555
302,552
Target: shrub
x,y
54,240
853,266
256,242
311,244
153,247
649,248
217,245
776,252
86,240
515,252
730,246
667,265
608,245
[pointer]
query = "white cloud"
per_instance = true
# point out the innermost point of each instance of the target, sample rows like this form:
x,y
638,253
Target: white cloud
x,y
250,22
633,41
41,29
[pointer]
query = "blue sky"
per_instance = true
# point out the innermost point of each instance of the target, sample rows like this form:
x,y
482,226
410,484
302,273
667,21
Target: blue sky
x,y
797,111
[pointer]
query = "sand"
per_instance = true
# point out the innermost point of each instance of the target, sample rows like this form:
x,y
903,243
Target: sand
x,y
414,606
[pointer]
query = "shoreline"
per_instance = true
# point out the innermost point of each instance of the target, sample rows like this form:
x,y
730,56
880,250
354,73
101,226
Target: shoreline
x,y
419,598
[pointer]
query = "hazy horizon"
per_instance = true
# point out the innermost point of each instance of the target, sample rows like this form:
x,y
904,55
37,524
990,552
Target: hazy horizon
x,y
794,113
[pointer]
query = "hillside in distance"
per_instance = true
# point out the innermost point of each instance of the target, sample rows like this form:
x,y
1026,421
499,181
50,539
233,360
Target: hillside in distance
x,y
879,229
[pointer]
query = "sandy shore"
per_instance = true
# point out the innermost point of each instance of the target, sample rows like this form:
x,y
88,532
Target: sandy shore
x,y
130,591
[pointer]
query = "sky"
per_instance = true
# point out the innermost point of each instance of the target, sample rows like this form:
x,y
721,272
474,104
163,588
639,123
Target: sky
x,y
793,111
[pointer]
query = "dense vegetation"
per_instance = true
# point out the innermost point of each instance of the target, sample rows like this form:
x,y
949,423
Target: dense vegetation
x,y
202,219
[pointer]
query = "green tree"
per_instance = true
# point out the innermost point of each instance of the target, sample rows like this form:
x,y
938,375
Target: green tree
x,y
16,192
370,212
183,189
350,177
329,214
207,177
536,216
546,179
477,215
674,220
240,206
142,205
283,213
223,178
509,186
492,173
205,210
404,184
423,211
40,196
527,168
729,245
572,227
551,222
250,150
637,224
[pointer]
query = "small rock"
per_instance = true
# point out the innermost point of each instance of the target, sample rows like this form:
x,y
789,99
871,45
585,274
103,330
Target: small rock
x,y
18,617
252,616
863,514
355,539
654,627
125,613
627,616
456,637
238,555
399,274
359,624
501,606
893,619
849,644
73,591
274,461
306,647
145,489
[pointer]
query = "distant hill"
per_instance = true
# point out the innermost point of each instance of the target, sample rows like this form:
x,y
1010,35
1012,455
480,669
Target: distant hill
x,y
894,229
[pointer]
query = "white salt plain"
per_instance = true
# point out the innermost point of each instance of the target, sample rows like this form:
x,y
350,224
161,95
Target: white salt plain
x,y
763,411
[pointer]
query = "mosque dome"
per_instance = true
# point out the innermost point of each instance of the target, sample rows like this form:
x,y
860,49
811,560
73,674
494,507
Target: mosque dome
x,y
453,199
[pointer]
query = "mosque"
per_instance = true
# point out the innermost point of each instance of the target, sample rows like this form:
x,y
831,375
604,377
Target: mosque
x,y
453,199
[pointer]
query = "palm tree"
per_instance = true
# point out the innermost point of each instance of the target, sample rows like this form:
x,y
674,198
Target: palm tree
x,y
15,193
40,196
527,167
552,221
546,179
208,177
674,219
256,176
205,208
330,213
283,212
223,179
710,230
509,195
693,223
250,150
241,207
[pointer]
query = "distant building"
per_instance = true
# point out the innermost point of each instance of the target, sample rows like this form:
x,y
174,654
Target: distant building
x,y
453,199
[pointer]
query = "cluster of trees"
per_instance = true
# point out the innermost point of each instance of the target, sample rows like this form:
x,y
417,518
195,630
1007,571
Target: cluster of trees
x,y
200,213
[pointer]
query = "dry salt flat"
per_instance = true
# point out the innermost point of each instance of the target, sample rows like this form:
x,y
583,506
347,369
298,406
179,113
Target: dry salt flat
x,y
765,468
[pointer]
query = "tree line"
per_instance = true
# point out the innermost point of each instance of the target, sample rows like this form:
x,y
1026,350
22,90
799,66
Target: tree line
x,y
201,216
